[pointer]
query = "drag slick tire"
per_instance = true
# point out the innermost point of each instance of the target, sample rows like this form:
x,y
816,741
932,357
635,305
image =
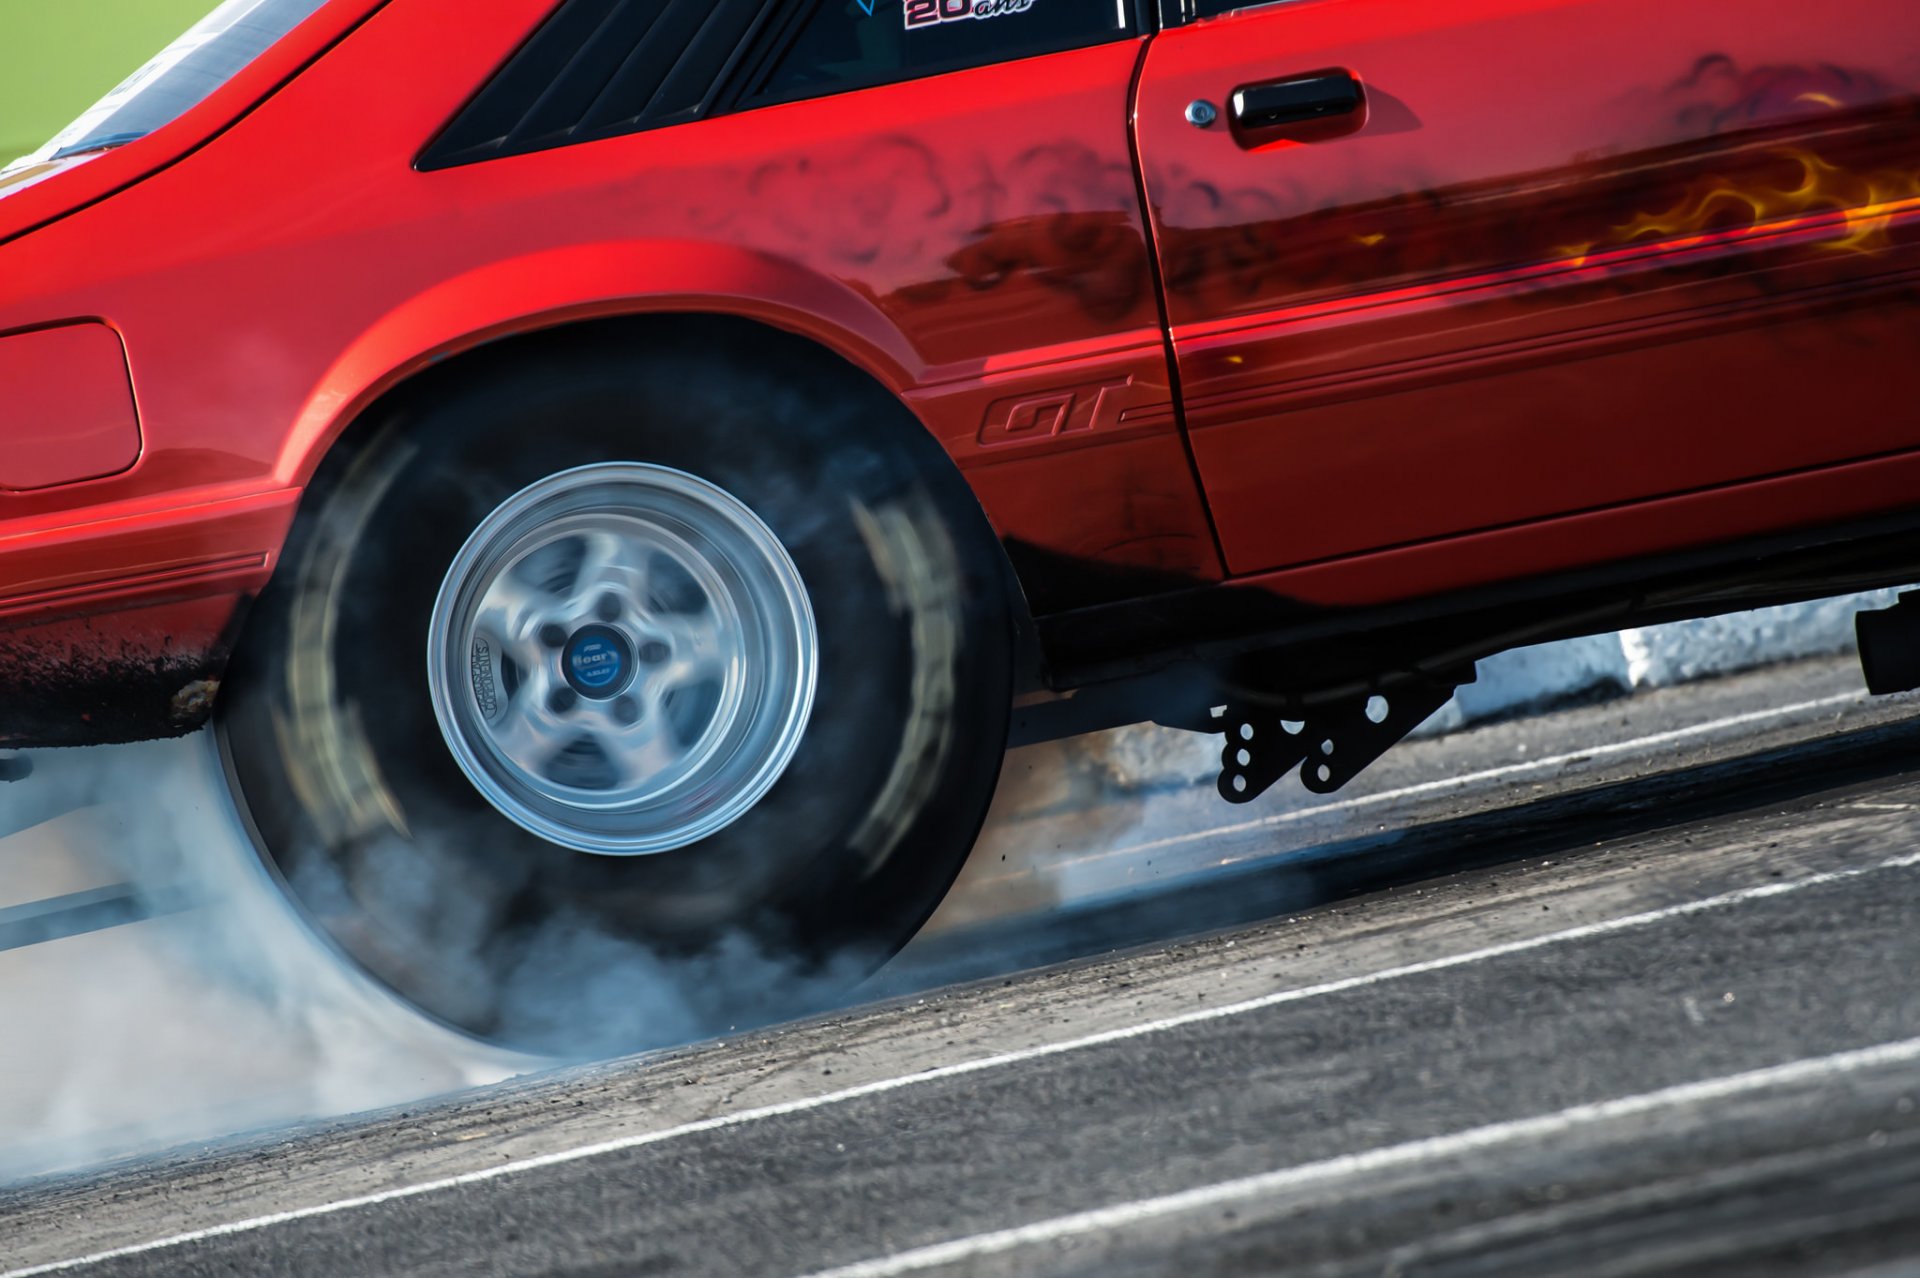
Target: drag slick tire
x,y
624,692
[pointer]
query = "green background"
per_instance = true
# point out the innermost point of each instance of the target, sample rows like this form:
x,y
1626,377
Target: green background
x,y
58,57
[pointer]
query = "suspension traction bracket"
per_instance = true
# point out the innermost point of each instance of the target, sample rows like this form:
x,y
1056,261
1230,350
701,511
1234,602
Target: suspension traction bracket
x,y
1331,743
1889,641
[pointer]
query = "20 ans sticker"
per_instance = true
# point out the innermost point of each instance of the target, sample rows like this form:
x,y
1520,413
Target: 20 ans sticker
x,y
924,13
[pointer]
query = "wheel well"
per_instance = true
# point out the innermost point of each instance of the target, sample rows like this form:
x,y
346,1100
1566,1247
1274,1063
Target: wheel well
x,y
794,354
526,349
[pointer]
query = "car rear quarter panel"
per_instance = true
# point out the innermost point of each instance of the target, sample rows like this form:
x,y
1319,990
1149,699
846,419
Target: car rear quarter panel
x,y
972,241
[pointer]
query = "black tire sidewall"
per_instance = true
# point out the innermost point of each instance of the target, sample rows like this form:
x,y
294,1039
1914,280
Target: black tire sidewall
x,y
837,865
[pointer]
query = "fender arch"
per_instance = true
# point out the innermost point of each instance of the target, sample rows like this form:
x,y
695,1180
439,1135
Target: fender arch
x,y
585,283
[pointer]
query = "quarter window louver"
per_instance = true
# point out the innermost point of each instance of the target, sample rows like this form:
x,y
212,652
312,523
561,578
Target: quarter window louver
x,y
597,68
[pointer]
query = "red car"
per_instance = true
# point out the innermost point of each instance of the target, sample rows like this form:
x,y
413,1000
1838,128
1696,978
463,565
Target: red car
x,y
612,468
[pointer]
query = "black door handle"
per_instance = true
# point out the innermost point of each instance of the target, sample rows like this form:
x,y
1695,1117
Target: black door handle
x,y
1296,100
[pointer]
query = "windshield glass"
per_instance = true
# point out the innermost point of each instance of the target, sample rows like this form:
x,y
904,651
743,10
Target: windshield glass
x,y
181,77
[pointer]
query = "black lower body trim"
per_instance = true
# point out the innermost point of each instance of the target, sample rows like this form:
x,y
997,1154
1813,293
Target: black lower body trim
x,y
1290,646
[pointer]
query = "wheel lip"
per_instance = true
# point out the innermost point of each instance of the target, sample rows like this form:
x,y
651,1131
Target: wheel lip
x,y
798,621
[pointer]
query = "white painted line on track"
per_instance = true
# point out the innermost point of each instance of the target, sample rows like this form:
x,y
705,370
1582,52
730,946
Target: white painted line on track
x,y
1760,892
1503,772
1387,1158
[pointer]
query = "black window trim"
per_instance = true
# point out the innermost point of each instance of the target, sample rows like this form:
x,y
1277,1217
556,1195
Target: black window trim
x,y
747,98
1180,13
753,60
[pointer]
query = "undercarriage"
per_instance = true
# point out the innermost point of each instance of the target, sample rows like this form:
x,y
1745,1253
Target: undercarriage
x,y
1328,692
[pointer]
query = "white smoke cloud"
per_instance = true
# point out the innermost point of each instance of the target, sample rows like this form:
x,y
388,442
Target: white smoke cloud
x,y
225,1016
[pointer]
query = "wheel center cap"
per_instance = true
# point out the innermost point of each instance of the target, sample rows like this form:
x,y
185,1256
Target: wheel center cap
x,y
598,662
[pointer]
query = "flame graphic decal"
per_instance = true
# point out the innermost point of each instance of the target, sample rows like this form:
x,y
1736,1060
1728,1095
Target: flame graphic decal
x,y
1861,207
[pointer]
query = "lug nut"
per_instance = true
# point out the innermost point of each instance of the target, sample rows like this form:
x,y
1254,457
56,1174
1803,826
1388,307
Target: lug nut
x,y
554,636
563,700
627,711
608,608
653,652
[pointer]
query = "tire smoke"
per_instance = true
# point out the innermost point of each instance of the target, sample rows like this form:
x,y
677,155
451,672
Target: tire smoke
x,y
220,1013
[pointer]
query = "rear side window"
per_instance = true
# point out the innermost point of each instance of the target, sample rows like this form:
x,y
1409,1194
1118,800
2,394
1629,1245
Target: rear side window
x,y
849,43
597,68
602,67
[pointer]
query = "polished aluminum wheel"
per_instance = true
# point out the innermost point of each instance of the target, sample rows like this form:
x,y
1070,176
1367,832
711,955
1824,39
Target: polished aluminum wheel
x,y
622,658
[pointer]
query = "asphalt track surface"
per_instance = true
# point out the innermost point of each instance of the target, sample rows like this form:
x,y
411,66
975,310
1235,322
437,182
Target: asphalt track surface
x,y
1667,1023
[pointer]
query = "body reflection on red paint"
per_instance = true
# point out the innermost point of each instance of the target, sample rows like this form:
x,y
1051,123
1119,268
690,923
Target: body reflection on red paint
x,y
1574,255
1582,254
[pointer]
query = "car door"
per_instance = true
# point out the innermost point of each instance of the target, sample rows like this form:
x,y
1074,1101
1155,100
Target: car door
x,y
1435,267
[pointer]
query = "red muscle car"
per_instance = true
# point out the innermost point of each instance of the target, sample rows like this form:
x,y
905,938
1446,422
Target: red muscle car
x,y
617,468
